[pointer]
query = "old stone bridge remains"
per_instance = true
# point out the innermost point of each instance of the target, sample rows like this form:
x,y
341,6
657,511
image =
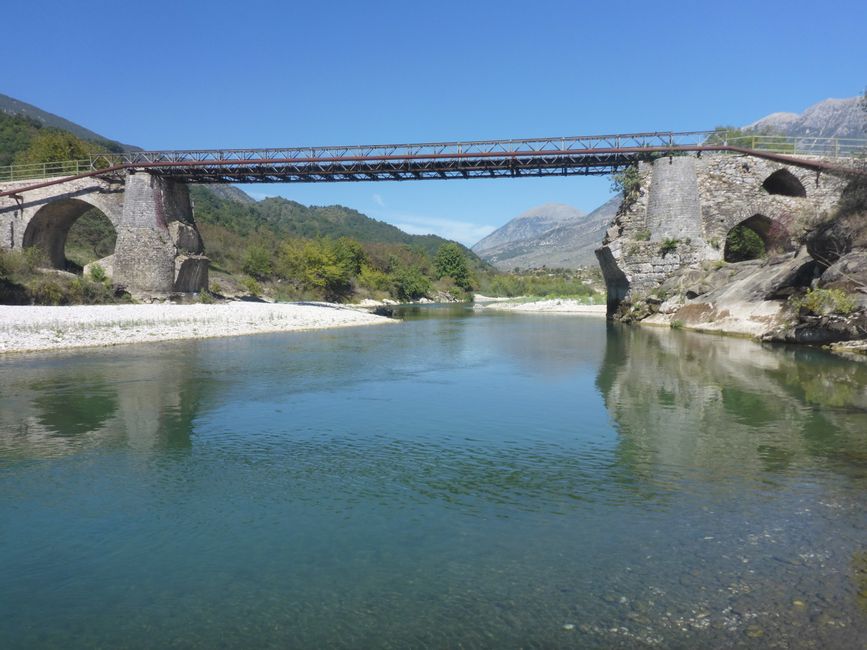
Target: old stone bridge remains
x,y
680,210
158,248
689,195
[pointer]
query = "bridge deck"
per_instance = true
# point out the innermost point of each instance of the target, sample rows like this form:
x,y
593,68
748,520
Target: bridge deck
x,y
582,155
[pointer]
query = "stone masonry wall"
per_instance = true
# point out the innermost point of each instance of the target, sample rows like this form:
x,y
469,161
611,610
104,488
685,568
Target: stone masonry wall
x,y
158,249
684,207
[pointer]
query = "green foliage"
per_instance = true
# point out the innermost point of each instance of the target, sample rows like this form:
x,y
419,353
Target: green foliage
x,y
743,243
53,145
16,133
257,262
450,262
97,273
668,245
823,302
91,237
642,235
206,298
626,181
252,287
410,284
20,263
542,283
47,291
374,279
676,324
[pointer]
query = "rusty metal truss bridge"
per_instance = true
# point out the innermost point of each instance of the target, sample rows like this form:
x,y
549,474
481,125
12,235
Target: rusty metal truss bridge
x,y
560,156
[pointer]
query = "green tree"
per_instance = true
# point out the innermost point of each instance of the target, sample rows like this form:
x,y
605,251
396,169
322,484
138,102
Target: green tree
x,y
450,262
257,262
410,284
52,145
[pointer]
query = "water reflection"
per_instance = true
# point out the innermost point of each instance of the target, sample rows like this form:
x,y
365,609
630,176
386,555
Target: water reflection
x,y
60,404
730,408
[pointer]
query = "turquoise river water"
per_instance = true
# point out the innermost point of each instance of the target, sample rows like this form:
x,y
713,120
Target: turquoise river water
x,y
459,480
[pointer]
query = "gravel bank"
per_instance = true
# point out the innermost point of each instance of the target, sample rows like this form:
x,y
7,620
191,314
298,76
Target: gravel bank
x,y
25,329
553,306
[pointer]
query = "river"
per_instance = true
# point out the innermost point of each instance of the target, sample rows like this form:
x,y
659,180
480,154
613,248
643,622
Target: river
x,y
459,480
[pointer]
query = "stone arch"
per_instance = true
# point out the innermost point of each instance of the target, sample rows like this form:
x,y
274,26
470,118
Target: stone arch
x,y
785,183
49,227
760,226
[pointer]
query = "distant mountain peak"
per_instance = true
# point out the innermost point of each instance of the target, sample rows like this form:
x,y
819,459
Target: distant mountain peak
x,y
830,118
554,235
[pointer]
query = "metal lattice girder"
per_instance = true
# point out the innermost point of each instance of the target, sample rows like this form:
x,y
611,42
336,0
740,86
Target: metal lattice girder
x,y
578,155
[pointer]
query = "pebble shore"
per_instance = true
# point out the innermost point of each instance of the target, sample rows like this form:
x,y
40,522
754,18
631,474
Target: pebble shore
x,y
27,329
553,306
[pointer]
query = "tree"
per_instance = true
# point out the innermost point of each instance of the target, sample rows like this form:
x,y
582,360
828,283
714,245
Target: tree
x,y
450,262
410,284
52,145
257,262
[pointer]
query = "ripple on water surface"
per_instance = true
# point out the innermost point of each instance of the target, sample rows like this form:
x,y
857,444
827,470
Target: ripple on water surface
x,y
487,481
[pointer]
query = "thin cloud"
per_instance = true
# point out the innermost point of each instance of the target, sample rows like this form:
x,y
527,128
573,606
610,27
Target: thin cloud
x,y
378,200
464,232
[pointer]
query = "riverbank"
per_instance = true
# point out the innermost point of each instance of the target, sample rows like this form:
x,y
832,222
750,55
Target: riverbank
x,y
29,329
549,306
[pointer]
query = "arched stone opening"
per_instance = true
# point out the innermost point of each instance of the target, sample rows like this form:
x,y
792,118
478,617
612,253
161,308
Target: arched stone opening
x,y
785,183
750,239
87,231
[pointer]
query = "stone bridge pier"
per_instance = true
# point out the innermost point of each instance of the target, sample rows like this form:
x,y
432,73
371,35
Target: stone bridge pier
x,y
682,209
158,248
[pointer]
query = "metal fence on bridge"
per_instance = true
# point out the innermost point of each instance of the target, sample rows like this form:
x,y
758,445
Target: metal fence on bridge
x,y
483,158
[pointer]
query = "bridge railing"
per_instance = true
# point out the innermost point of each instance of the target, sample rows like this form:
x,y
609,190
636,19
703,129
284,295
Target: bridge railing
x,y
45,170
795,145
566,147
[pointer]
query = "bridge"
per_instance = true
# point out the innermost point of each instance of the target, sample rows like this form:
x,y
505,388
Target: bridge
x,y
144,193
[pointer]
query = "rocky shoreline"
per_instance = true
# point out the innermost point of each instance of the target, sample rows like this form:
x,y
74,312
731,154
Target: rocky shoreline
x,y
30,329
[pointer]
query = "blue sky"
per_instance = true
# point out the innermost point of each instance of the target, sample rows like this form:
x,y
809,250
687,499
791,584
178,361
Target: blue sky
x,y
179,75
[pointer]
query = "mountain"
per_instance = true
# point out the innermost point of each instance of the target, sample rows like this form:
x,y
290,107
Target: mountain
x,y
553,235
830,118
12,106
231,208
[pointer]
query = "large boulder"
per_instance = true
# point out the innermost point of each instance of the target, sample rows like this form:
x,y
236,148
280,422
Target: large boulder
x,y
848,273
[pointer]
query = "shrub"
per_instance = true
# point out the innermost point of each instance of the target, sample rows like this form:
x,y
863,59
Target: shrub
x,y
822,302
677,324
410,284
97,273
626,181
373,279
48,291
252,286
257,263
642,235
668,246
